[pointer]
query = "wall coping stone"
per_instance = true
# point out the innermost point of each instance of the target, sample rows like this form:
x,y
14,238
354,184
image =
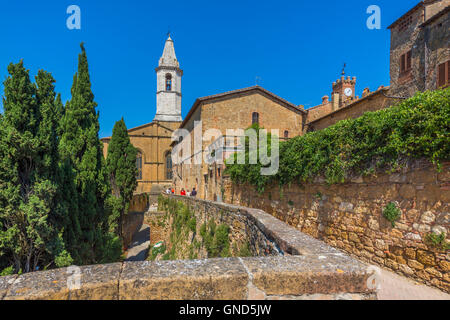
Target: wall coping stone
x,y
314,271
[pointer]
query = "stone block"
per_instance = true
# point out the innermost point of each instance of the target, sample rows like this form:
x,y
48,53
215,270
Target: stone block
x,y
425,258
223,279
299,275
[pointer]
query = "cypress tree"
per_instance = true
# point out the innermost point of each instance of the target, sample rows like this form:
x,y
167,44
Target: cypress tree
x,y
81,153
29,237
122,172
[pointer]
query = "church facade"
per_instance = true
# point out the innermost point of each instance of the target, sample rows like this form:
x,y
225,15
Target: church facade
x,y
153,139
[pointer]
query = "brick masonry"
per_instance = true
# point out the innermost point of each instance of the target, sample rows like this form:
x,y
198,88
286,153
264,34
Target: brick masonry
x,y
349,216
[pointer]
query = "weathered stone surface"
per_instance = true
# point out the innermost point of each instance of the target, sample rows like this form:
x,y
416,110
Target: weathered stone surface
x,y
42,285
425,257
178,280
420,196
298,275
5,284
98,282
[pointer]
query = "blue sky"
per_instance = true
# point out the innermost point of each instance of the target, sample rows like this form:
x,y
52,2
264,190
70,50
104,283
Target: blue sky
x,y
297,48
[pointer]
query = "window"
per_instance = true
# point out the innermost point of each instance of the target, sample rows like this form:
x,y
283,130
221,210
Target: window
x,y
286,134
443,76
255,118
139,166
168,166
405,62
168,82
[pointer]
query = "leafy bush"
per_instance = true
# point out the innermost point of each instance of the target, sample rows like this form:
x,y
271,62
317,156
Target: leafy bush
x,y
416,128
438,241
392,213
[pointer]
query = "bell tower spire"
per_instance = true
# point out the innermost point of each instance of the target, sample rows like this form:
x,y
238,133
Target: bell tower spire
x,y
168,91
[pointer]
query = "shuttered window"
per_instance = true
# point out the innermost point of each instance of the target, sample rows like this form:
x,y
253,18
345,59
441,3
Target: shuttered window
x,y
443,76
405,62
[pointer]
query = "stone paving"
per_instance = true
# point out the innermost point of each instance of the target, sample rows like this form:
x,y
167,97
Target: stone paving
x,y
396,287
139,247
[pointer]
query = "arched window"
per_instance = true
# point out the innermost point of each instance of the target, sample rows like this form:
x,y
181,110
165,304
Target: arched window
x,y
168,166
286,134
168,82
255,118
139,165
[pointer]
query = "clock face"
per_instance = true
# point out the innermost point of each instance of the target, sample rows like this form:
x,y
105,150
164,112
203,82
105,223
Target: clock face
x,y
348,92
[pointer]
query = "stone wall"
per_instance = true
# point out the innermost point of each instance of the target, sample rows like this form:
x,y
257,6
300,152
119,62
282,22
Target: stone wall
x,y
246,225
311,277
132,224
308,270
349,216
139,203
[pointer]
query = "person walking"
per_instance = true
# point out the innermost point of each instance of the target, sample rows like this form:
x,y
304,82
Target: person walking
x,y
193,193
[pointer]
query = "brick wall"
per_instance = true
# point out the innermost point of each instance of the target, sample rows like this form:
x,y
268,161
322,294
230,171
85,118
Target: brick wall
x,y
349,216
372,102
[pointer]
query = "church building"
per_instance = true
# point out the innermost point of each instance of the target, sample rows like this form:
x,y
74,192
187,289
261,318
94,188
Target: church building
x,y
153,139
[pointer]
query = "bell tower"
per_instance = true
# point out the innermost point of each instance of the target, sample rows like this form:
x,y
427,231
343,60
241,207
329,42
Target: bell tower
x,y
168,91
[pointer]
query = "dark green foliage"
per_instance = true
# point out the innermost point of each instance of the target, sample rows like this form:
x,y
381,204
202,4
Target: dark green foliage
x,y
437,241
392,213
216,239
122,172
30,227
416,128
85,180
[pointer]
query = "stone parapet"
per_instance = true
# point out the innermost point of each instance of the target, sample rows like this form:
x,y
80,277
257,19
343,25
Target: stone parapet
x,y
328,276
304,269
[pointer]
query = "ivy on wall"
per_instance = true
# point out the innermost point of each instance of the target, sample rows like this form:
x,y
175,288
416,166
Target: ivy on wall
x,y
418,127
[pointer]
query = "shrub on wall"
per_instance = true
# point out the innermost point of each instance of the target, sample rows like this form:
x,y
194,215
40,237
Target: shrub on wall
x,y
416,128
392,213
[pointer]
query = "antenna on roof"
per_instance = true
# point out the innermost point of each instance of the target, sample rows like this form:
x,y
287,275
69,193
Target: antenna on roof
x,y
343,69
256,80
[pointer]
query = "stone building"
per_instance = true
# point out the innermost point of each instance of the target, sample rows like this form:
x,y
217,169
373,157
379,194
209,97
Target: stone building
x,y
419,60
153,139
210,117
420,48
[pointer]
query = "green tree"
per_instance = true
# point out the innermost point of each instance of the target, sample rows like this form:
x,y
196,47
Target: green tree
x,y
29,236
83,165
122,172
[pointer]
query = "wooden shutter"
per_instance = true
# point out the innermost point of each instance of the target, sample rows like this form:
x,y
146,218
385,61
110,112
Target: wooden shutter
x,y
441,74
402,63
408,60
447,69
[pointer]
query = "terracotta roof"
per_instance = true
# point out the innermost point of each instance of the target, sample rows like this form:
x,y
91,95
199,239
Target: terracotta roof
x,y
417,6
351,104
140,127
436,16
197,102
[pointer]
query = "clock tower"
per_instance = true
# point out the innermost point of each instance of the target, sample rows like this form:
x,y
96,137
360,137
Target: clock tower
x,y
343,91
